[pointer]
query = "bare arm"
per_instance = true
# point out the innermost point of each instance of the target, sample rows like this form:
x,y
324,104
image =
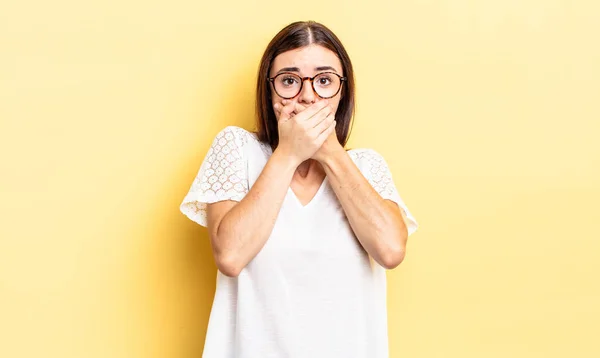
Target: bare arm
x,y
238,231
378,223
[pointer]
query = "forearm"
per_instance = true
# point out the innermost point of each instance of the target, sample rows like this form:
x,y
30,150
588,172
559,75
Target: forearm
x,y
244,230
376,222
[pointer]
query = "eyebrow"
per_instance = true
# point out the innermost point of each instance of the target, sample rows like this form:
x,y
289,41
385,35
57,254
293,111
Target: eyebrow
x,y
296,69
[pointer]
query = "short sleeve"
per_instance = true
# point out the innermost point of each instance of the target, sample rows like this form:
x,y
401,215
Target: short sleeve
x,y
376,171
222,175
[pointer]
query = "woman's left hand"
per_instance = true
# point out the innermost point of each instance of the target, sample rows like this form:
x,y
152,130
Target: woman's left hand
x,y
330,147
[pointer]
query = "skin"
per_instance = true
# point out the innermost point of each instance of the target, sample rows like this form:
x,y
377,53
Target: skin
x,y
308,151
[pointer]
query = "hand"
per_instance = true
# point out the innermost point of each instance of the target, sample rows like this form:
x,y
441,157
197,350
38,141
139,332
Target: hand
x,y
302,135
329,148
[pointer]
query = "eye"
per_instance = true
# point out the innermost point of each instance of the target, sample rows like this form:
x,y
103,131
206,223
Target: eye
x,y
324,80
288,80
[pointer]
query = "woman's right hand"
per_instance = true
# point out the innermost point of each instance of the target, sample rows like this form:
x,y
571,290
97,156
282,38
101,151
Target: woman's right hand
x,y
301,135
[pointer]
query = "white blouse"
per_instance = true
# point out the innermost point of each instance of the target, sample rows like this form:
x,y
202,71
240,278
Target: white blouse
x,y
312,291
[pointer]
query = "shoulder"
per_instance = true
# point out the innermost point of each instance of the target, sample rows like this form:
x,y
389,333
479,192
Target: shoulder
x,y
235,136
366,156
370,162
236,133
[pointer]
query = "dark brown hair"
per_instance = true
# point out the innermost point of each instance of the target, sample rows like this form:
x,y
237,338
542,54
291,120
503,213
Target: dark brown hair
x,y
293,36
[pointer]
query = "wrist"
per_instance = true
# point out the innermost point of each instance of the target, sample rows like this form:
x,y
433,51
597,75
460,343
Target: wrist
x,y
333,156
285,160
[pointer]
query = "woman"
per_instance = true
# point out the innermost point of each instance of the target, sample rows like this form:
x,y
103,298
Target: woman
x,y
302,230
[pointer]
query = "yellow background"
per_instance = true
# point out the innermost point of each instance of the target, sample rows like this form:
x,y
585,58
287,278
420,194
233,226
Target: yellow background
x,y
487,112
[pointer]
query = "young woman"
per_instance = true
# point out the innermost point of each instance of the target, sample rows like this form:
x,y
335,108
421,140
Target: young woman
x,y
302,230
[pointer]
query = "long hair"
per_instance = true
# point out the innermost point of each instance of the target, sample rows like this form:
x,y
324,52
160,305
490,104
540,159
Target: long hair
x,y
293,36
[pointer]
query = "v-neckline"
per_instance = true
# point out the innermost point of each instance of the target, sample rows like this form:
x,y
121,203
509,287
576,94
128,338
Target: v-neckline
x,y
314,198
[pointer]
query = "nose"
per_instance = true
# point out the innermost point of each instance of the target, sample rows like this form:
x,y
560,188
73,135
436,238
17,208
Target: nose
x,y
307,95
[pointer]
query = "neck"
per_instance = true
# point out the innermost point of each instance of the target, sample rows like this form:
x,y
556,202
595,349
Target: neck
x,y
306,167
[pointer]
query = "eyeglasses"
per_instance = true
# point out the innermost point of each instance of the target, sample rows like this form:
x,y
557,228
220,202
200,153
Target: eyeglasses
x,y
325,84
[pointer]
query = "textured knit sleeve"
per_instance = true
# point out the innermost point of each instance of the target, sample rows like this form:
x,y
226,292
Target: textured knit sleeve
x,y
376,171
222,176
